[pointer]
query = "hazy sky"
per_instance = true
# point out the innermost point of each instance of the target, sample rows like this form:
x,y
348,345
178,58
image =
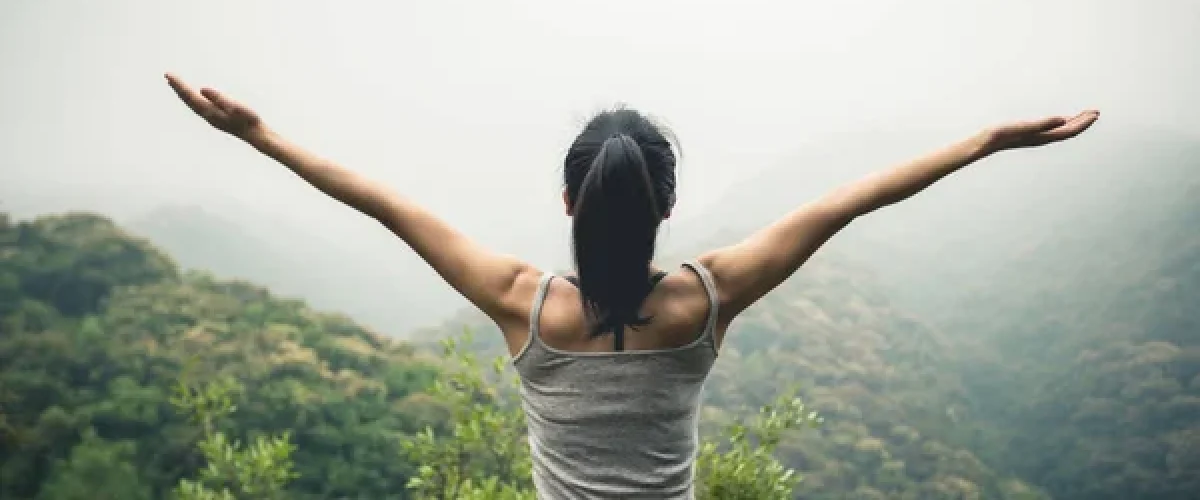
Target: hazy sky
x,y
468,106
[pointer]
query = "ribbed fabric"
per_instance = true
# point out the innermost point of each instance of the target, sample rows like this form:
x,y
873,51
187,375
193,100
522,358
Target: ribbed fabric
x,y
615,424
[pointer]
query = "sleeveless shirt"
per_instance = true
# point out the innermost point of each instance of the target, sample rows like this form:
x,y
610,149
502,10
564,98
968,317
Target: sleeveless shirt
x,y
619,424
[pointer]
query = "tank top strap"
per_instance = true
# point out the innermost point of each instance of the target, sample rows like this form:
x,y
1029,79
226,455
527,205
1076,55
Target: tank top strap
x,y
710,289
535,313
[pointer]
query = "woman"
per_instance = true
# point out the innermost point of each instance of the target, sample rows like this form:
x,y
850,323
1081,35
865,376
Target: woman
x,y
613,359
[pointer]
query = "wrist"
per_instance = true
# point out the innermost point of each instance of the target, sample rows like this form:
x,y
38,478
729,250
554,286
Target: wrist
x,y
982,144
258,136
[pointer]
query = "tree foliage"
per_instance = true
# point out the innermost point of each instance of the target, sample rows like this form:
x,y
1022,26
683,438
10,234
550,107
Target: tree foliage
x,y
484,454
1085,356
346,397
745,467
260,470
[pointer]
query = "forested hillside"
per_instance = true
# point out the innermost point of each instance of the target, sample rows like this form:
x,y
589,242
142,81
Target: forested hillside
x,y
1083,353
873,372
99,326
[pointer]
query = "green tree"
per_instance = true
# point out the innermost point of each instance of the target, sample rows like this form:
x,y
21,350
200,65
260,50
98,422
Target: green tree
x,y
96,470
483,454
233,471
746,466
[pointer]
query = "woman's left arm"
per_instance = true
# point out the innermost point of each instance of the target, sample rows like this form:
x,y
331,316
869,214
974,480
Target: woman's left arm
x,y
495,283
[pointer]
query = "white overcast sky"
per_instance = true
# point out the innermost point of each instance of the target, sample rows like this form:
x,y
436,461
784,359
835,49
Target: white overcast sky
x,y
467,106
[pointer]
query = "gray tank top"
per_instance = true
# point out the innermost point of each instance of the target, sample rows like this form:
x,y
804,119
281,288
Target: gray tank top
x,y
615,424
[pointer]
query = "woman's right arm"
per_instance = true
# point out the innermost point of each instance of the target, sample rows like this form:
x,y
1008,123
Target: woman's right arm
x,y
746,271
498,284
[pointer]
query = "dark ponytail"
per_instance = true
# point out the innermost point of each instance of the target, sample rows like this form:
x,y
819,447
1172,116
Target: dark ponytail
x,y
618,203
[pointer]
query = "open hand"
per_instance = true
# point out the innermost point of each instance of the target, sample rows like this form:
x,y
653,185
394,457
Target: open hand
x,y
221,112
1040,132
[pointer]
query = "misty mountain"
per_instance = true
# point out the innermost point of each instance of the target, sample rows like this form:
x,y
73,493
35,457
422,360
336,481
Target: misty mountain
x,y
1082,351
99,327
387,294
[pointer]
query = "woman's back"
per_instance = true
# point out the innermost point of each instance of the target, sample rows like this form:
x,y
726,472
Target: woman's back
x,y
607,424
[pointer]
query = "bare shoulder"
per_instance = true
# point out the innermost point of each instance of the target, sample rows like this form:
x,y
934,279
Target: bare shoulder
x,y
686,288
684,301
518,303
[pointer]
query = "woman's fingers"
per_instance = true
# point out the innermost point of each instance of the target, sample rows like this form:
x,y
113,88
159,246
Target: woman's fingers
x,y
1045,124
1032,127
1044,131
219,110
194,100
221,100
1072,127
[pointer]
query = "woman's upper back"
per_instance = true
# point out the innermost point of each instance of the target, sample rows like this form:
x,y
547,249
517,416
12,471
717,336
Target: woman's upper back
x,y
605,424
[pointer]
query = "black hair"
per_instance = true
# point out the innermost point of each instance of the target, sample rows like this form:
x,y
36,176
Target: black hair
x,y
620,184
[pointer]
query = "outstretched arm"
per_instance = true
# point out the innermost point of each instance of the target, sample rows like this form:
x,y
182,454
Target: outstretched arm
x,y
488,280
746,271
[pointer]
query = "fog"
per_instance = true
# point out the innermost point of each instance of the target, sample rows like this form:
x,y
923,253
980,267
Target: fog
x,y
467,107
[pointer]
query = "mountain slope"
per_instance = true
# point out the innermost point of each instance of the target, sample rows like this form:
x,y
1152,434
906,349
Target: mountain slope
x,y
1087,344
97,327
872,370
391,294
